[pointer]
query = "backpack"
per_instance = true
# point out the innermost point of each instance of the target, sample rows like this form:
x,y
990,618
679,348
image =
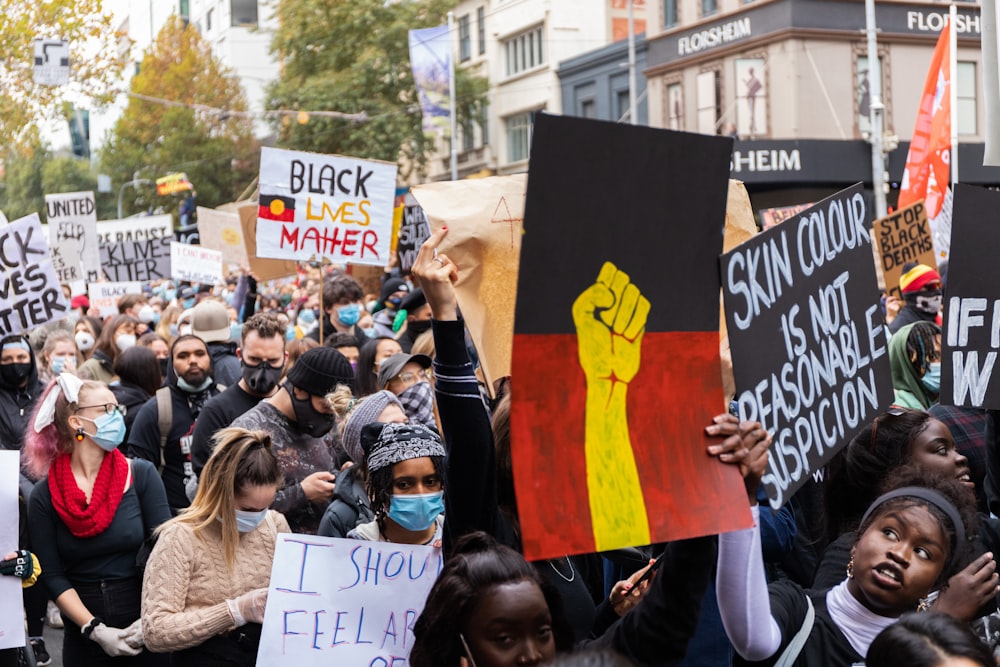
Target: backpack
x,y
165,419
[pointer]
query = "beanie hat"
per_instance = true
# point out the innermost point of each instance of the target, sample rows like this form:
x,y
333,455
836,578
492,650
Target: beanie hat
x,y
388,444
319,370
916,277
365,412
413,300
391,286
210,322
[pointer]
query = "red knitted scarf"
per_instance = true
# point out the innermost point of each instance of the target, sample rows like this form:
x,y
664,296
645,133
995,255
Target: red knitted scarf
x,y
70,502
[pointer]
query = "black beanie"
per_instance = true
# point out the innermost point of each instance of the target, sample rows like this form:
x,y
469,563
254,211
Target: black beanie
x,y
319,370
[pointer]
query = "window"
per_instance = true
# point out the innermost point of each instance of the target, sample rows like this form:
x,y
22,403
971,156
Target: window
x,y
484,127
208,20
709,7
751,98
669,13
519,136
468,135
464,39
965,88
481,29
709,102
586,105
622,110
524,52
243,12
675,106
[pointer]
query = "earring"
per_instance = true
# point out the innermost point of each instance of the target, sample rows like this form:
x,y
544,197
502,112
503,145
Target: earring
x,y
924,604
79,434
850,568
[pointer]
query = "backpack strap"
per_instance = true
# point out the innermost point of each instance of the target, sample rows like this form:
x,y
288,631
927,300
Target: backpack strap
x,y
165,417
791,652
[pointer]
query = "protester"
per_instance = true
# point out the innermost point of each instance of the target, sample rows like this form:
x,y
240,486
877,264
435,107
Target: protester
x,y
160,347
299,420
928,640
408,377
342,296
418,318
19,389
117,336
88,518
206,580
915,360
384,315
59,354
296,348
210,322
370,358
262,361
86,331
167,327
922,296
138,379
347,345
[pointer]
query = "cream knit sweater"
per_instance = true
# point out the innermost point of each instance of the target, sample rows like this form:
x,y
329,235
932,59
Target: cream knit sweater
x,y
187,583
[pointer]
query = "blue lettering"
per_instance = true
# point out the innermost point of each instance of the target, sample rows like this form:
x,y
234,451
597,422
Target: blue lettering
x,y
390,630
316,630
388,564
361,624
337,628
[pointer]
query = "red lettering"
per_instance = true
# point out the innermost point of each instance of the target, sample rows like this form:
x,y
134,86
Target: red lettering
x,y
289,235
368,241
349,242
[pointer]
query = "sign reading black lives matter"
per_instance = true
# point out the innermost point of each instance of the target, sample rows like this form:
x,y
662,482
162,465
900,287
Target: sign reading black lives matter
x,y
136,248
971,330
30,294
805,328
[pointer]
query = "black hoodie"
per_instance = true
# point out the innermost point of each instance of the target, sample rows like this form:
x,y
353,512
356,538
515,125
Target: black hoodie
x,y
17,404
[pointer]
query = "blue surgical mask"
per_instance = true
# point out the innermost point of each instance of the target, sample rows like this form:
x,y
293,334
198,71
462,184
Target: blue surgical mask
x,y
349,314
416,511
932,378
190,388
110,430
369,332
235,331
173,330
188,303
247,522
169,295
290,334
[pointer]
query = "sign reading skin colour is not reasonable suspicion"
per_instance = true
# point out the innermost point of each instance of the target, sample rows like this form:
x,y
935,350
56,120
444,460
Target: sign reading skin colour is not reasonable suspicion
x,y
807,337
325,207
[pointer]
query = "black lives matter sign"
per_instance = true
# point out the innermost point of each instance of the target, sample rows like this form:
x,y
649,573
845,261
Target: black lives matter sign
x,y
805,328
30,294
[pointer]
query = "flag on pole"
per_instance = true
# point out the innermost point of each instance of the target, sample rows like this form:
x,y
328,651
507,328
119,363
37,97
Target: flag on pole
x,y
926,175
430,60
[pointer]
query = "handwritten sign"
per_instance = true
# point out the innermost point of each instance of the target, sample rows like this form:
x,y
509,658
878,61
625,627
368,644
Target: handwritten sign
x,y
806,334
30,294
222,230
136,248
971,337
11,605
324,207
413,231
66,261
903,237
344,602
105,296
769,217
73,215
264,269
195,263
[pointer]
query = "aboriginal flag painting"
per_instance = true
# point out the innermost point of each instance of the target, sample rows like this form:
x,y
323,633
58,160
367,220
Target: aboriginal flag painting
x,y
276,207
616,354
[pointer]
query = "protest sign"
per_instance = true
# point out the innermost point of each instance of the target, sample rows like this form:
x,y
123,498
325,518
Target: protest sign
x,y
66,261
484,219
136,248
104,296
971,329
328,207
769,217
806,334
222,231
195,263
901,237
413,231
11,602
73,215
609,413
173,183
30,294
263,269
344,602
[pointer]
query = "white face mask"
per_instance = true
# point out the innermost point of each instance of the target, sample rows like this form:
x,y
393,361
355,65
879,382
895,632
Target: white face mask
x,y
84,340
184,329
125,341
147,314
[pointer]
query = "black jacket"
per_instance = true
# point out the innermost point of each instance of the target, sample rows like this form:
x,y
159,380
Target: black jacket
x,y
16,406
350,505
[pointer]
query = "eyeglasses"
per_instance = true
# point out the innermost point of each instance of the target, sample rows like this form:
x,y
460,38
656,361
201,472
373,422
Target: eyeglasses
x,y
107,407
891,412
409,377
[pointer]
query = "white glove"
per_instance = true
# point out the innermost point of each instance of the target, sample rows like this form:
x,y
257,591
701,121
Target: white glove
x,y
249,607
110,640
133,634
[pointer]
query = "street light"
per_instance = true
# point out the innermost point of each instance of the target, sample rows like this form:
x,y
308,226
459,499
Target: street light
x,y
134,183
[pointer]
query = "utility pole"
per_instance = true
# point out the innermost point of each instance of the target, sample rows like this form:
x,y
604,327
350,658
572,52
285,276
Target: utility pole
x,y
633,117
451,94
875,113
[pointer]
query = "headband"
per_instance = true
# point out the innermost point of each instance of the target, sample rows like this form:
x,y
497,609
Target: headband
x,y
19,344
930,496
67,385
402,442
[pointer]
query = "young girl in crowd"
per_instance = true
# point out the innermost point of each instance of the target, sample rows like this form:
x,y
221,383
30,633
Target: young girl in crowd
x,y
206,580
117,336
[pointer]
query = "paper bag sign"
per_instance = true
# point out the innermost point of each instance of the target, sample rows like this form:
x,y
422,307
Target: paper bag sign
x,y
971,332
221,230
330,207
806,334
136,248
484,218
195,263
30,294
344,602
73,215
900,238
616,357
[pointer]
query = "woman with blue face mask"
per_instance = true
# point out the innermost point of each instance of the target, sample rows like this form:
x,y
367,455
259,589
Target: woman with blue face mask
x,y
915,361
206,580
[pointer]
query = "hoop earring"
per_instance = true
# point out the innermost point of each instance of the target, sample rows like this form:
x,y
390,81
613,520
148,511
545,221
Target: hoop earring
x,y
79,434
850,568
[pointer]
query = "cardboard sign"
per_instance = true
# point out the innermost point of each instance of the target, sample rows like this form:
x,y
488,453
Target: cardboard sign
x,y
11,604
30,294
73,215
484,218
971,332
105,296
66,261
806,334
344,602
900,238
325,207
195,263
769,217
136,248
413,231
616,356
222,231
263,269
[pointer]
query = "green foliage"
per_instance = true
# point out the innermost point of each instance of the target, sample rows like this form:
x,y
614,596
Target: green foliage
x,y
353,57
217,151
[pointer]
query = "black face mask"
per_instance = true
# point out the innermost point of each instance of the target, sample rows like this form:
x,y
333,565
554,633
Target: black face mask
x,y
417,327
262,378
309,420
163,365
14,375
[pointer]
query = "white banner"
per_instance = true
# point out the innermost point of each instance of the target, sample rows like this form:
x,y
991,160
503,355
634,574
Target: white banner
x,y
104,296
73,215
195,263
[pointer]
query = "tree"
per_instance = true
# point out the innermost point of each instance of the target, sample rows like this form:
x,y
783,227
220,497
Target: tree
x,y
353,57
95,61
187,113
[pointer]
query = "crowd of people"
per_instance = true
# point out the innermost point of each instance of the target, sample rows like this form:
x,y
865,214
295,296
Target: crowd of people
x,y
164,447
